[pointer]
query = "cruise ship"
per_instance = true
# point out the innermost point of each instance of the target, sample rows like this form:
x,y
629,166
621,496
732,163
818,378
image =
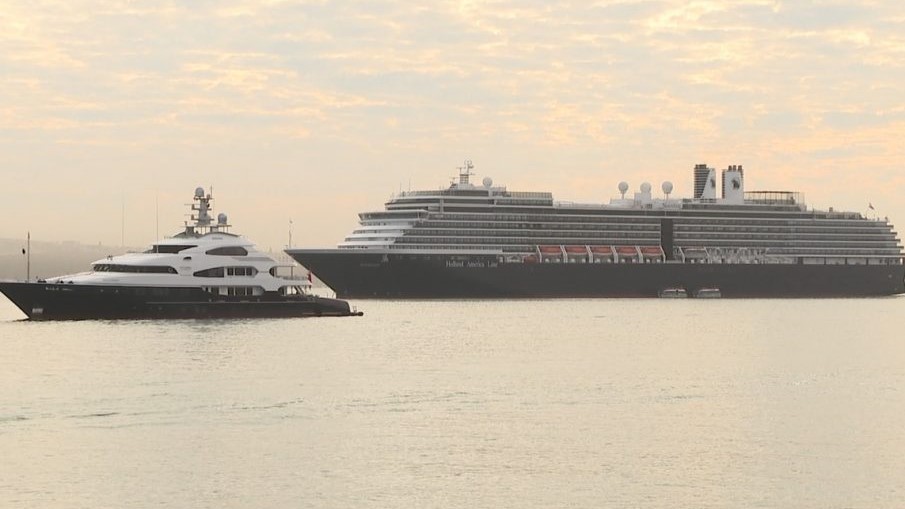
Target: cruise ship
x,y
204,271
485,241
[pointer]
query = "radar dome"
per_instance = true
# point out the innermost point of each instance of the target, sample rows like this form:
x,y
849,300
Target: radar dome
x,y
488,182
645,187
623,187
222,218
667,187
199,192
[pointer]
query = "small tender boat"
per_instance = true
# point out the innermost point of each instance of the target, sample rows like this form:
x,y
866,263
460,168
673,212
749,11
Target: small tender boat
x,y
673,293
708,293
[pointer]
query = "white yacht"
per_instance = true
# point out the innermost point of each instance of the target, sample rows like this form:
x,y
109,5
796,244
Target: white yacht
x,y
205,271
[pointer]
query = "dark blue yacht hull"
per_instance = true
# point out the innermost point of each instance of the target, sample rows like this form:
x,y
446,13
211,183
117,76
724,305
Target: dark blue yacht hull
x,y
358,274
54,301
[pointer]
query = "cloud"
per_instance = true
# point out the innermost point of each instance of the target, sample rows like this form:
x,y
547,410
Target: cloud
x,y
524,85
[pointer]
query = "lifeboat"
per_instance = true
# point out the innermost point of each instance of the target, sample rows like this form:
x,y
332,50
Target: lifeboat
x,y
627,254
651,251
601,254
550,250
577,250
602,250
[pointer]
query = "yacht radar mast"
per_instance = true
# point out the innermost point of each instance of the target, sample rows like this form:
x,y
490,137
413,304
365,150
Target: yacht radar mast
x,y
203,220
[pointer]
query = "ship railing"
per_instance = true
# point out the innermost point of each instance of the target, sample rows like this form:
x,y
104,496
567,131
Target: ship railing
x,y
524,194
597,254
294,277
747,255
694,255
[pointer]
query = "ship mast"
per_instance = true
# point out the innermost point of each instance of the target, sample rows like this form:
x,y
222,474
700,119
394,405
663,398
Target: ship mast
x,y
203,221
465,172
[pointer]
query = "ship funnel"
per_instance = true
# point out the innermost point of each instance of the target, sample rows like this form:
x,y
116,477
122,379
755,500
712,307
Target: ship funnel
x,y
704,182
734,185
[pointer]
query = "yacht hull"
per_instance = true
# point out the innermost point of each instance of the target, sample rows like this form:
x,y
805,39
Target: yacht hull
x,y
358,274
55,301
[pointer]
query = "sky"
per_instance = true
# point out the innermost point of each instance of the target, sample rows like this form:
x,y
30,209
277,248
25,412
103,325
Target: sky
x,y
112,112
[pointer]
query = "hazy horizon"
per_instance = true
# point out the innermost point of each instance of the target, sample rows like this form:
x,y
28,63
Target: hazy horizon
x,y
59,258
315,111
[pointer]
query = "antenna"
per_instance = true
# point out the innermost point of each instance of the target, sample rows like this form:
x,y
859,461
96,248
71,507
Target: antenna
x,y
291,267
122,232
156,217
28,257
465,172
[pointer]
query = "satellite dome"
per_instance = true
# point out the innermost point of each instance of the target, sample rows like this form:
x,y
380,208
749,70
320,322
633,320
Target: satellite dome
x,y
222,218
199,192
645,187
488,182
667,187
623,187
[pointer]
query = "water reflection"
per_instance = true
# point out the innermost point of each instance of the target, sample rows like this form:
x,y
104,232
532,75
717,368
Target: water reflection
x,y
509,404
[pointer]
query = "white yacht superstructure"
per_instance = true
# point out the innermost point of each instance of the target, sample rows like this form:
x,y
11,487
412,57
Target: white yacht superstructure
x,y
203,271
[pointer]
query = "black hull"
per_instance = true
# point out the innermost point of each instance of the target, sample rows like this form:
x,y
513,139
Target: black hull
x,y
375,275
45,301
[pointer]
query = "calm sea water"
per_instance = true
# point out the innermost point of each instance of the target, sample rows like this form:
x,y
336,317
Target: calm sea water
x,y
566,403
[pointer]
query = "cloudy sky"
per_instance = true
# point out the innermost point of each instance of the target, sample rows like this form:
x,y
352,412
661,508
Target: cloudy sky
x,y
317,110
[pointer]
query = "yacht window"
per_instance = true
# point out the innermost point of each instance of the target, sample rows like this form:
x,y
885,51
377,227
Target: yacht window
x,y
169,249
241,271
228,251
291,290
139,269
215,272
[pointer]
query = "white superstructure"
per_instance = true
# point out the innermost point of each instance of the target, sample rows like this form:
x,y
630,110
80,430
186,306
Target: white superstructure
x,y
723,223
204,255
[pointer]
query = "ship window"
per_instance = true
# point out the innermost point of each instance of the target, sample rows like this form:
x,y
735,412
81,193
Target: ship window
x,y
291,290
241,271
169,249
215,272
134,269
228,251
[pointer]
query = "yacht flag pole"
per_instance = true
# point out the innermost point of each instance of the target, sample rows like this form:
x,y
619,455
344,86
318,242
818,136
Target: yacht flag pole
x,y
27,253
292,266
